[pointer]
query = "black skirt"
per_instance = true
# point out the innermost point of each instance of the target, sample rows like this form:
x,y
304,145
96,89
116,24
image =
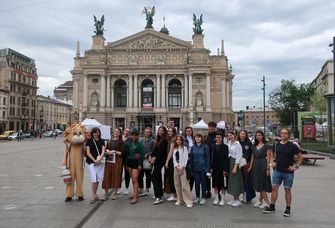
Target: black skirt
x,y
133,164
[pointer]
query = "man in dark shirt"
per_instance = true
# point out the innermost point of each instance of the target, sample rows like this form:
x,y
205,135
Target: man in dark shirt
x,y
283,170
210,141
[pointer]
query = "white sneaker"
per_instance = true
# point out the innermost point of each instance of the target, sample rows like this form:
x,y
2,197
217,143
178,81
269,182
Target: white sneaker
x,y
126,191
258,204
221,202
171,198
177,203
230,202
202,202
189,205
216,201
158,201
244,199
263,206
237,203
196,200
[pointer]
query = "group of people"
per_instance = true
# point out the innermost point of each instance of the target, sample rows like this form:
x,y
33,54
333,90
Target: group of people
x,y
232,165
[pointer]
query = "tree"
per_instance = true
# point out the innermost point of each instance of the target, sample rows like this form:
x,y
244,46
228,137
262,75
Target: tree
x,y
290,98
318,102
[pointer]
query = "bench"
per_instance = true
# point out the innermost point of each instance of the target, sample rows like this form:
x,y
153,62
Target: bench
x,y
312,158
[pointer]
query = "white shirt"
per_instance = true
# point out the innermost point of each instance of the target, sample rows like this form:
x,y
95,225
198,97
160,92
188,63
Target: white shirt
x,y
235,151
190,141
183,156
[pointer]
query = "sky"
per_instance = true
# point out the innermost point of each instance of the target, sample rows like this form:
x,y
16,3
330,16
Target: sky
x,y
278,39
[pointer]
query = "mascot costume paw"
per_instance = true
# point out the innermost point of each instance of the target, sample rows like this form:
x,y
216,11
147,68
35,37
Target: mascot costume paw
x,y
74,138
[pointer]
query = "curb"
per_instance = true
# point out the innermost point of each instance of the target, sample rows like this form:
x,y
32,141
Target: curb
x,y
320,153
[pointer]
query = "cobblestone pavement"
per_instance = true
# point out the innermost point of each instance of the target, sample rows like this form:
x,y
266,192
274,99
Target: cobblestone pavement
x,y
32,195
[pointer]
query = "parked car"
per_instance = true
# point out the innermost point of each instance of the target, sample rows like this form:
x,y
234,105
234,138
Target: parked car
x,y
6,134
48,134
58,131
13,136
26,135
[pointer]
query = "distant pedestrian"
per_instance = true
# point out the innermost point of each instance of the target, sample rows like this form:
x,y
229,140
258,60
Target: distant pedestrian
x,y
19,135
283,169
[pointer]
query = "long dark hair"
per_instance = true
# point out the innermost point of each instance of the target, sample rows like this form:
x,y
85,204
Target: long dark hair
x,y
246,136
95,129
119,129
174,133
263,136
159,138
181,139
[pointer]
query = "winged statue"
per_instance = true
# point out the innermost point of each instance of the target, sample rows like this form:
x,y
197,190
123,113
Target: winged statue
x,y
149,12
99,25
197,24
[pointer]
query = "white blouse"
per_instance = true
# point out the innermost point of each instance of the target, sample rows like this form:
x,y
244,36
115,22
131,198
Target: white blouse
x,y
235,151
190,141
183,156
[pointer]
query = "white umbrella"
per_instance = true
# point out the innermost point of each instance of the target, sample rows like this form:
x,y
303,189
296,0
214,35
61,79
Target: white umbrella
x,y
221,124
200,125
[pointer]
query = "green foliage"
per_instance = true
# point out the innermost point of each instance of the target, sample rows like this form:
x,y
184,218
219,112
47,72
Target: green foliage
x,y
290,98
318,101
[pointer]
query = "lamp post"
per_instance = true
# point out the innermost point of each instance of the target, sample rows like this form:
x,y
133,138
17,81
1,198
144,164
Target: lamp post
x,y
263,80
333,119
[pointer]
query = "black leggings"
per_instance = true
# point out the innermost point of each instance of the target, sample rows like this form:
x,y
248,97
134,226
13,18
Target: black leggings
x,y
147,179
126,177
156,177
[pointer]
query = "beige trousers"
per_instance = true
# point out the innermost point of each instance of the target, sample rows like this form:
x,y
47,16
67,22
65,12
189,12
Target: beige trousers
x,y
182,187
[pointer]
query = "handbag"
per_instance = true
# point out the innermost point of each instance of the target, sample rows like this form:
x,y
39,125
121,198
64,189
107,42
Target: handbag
x,y
103,159
146,164
66,174
243,162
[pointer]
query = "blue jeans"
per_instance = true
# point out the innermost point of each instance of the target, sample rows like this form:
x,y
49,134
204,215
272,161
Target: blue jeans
x,y
286,178
200,178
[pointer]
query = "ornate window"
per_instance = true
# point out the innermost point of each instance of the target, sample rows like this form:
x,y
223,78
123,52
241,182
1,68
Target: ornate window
x,y
174,93
120,94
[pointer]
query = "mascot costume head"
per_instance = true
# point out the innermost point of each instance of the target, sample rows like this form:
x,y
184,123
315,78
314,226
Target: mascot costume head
x,y
76,135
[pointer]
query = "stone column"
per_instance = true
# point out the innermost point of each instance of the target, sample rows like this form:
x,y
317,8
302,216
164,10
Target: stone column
x,y
190,90
75,93
103,91
108,91
186,91
85,93
163,91
159,95
112,95
223,92
208,92
135,91
130,91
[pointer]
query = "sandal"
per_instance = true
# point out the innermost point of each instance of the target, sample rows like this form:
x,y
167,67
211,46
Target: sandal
x,y
133,201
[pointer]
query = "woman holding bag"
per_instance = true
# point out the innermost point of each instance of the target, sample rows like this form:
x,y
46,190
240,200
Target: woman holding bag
x,y
113,167
180,158
95,149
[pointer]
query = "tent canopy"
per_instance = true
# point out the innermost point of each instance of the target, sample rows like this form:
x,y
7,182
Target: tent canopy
x,y
221,124
90,124
200,125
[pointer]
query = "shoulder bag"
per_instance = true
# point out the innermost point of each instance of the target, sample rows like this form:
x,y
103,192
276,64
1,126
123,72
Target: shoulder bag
x,y
66,174
103,159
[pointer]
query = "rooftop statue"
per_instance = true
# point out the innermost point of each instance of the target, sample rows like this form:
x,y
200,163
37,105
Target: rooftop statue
x,y
99,26
197,24
149,12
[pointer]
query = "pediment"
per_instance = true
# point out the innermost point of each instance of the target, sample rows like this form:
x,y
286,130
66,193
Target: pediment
x,y
148,40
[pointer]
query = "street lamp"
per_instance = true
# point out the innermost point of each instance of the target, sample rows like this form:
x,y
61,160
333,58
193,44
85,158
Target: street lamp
x,y
263,80
333,119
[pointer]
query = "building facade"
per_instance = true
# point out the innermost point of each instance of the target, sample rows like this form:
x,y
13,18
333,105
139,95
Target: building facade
x,y
18,75
3,108
52,113
254,117
150,77
64,92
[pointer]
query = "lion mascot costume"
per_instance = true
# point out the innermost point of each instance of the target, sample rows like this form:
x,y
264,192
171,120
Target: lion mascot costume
x,y
74,138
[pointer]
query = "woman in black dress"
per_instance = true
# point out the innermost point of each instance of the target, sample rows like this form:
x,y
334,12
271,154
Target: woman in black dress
x,y
220,169
259,167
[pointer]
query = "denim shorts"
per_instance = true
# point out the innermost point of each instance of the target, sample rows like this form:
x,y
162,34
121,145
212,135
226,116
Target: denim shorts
x,y
279,177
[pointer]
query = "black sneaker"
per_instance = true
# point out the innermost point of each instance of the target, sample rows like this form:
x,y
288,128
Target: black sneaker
x,y
269,210
68,199
287,213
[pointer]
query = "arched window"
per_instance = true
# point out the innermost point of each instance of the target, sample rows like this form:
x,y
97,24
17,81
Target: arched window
x,y
147,94
120,94
174,93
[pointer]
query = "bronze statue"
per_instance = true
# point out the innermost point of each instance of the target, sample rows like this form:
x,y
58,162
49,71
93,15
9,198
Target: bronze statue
x,y
149,12
99,25
197,24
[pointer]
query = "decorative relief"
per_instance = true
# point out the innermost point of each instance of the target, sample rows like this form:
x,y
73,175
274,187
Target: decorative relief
x,y
148,42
